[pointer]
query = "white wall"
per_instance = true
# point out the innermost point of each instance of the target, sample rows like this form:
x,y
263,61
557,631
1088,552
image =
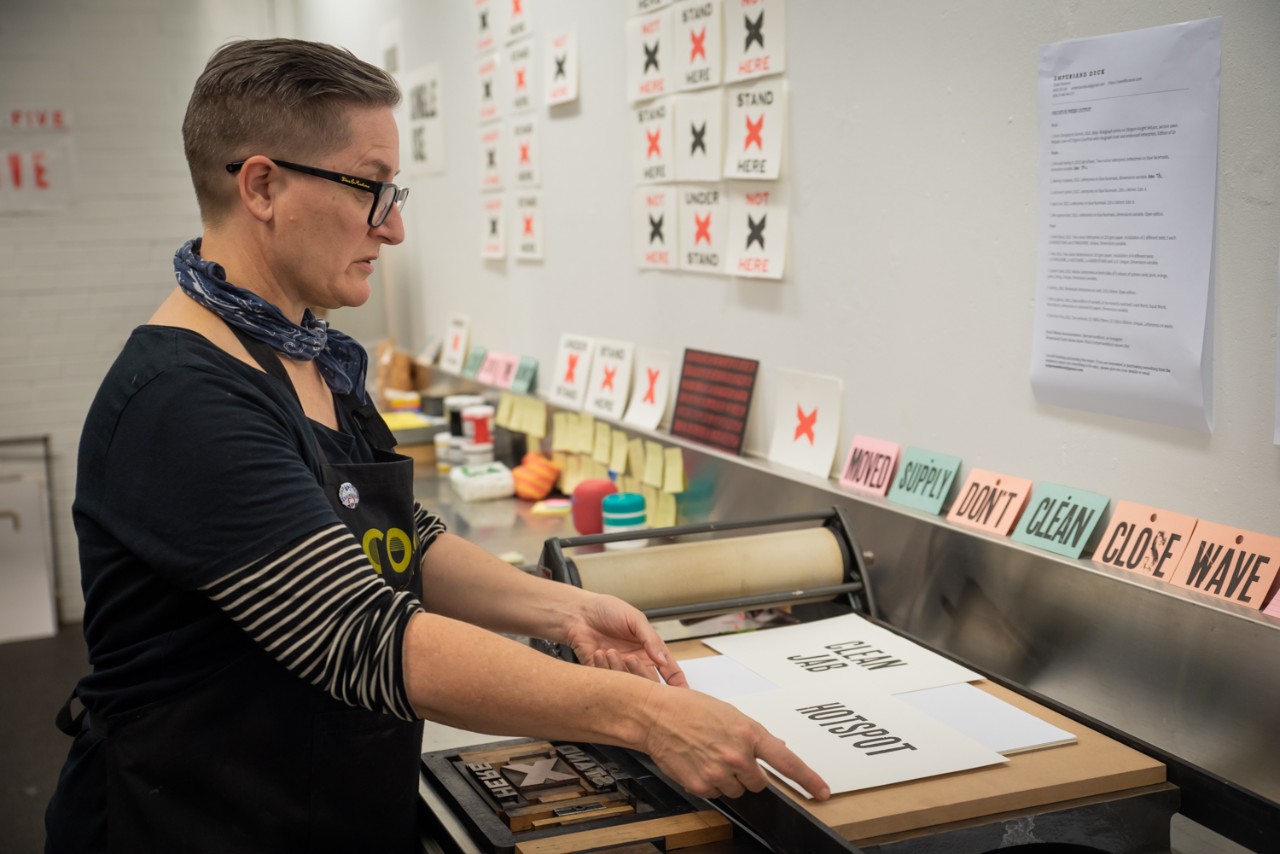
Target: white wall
x,y
74,283
912,164
913,178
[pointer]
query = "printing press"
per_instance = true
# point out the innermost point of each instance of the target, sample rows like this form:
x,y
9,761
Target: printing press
x,y
1046,632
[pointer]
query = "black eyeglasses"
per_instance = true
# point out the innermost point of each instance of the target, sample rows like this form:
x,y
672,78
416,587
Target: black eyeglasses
x,y
384,195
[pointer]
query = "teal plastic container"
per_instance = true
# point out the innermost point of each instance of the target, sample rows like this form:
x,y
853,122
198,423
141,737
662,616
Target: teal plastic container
x,y
624,511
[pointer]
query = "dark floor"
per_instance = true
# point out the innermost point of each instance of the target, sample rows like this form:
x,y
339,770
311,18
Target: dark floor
x,y
37,676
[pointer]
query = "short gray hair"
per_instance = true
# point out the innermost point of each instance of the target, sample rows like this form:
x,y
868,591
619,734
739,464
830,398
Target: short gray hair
x,y
283,98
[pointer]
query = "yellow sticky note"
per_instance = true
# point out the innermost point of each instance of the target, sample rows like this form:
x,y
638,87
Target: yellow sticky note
x,y
618,456
561,459
535,418
673,471
650,494
653,464
586,442
505,405
560,431
572,442
603,443
635,454
665,516
572,473
514,413
599,470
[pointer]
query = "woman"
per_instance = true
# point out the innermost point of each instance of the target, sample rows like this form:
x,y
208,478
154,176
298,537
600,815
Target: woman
x,y
269,613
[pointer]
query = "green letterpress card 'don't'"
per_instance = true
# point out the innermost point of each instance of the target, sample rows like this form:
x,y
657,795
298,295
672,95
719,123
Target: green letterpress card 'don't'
x,y
924,480
1059,519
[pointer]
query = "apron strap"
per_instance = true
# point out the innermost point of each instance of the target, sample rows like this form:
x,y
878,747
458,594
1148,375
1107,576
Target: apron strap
x,y
265,356
369,422
65,721
363,413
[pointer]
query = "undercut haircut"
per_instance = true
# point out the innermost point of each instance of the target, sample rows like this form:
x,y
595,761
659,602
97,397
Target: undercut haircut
x,y
284,98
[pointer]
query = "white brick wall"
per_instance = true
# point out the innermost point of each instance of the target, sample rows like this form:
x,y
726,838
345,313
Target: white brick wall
x,y
74,283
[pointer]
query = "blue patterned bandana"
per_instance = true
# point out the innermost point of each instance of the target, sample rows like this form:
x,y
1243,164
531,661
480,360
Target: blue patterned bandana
x,y
341,360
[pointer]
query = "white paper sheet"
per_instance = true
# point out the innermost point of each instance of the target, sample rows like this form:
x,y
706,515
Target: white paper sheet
x,y
573,369
521,87
488,22
697,34
986,719
653,143
524,157
456,341
1128,169
488,87
493,231
723,677
703,212
560,68
655,228
857,739
756,130
699,136
424,132
652,388
806,421
528,236
390,45
755,38
842,650
610,382
757,230
648,56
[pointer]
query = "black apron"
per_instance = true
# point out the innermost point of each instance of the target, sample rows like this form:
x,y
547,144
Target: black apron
x,y
201,772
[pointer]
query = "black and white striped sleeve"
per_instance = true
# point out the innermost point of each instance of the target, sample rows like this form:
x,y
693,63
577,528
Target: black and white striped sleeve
x,y
319,608
429,525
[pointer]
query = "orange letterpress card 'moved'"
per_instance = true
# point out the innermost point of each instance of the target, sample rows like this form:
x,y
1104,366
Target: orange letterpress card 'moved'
x,y
1145,539
990,501
1229,563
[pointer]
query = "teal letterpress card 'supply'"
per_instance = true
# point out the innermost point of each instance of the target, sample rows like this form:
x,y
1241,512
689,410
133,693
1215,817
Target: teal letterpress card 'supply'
x,y
474,360
527,370
1060,520
924,480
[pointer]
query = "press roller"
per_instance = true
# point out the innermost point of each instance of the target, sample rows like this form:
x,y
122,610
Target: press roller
x,y
682,576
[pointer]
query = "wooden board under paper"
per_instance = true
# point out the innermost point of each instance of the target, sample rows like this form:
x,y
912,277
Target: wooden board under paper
x,y
1094,765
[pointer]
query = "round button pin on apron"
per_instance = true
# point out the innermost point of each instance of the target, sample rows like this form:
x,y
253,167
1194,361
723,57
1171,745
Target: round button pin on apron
x,y
349,495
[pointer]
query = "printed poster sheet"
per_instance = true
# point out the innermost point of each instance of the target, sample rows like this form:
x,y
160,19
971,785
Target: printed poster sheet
x,y
846,650
1128,168
965,708
859,739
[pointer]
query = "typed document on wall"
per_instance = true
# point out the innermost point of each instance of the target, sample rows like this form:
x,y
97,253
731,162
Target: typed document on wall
x,y
1127,187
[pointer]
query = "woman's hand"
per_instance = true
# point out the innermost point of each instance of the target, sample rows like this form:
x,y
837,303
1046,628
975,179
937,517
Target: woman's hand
x,y
607,632
712,749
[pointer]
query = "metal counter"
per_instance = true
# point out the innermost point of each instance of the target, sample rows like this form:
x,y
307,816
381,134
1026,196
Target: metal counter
x,y
1169,669
499,525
